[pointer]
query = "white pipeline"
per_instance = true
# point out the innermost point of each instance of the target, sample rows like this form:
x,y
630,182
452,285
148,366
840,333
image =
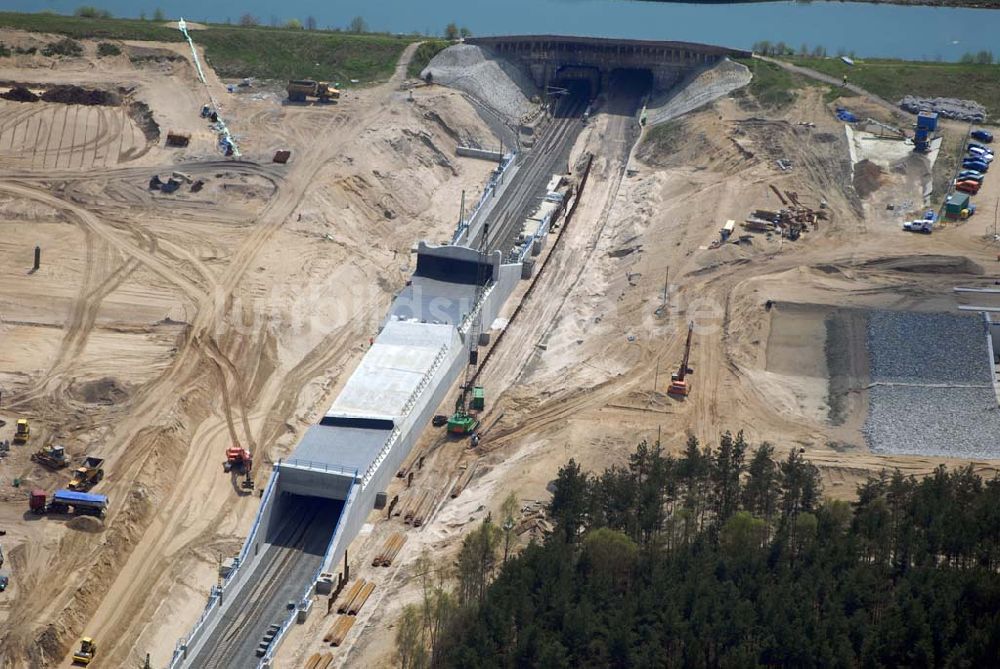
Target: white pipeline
x,y
182,26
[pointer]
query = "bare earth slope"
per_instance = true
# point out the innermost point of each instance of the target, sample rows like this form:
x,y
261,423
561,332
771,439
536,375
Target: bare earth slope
x,y
161,328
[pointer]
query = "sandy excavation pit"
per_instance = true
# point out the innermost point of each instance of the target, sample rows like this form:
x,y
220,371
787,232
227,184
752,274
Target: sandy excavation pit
x,y
913,383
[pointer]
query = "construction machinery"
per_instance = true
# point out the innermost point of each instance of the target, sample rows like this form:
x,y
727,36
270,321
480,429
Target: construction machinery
x,y
22,431
300,89
679,384
88,649
88,474
68,501
240,461
53,457
463,422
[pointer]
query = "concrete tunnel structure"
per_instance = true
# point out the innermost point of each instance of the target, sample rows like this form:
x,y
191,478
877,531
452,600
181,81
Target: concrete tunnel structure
x,y
316,500
554,60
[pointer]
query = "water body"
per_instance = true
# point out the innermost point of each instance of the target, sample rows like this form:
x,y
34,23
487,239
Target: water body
x,y
890,31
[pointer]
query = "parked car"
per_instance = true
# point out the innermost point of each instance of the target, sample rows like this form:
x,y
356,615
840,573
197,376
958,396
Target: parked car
x,y
971,173
978,178
922,225
982,135
970,187
978,165
973,145
979,154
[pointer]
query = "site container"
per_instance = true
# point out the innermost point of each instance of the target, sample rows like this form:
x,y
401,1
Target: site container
x,y
927,120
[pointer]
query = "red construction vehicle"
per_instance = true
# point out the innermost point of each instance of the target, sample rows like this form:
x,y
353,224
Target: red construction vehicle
x,y
678,381
239,460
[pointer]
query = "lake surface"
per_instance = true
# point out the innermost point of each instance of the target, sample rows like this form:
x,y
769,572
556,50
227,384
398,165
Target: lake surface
x,y
896,31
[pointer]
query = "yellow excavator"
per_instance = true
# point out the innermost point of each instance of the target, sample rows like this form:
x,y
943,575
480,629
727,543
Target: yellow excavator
x,y
88,649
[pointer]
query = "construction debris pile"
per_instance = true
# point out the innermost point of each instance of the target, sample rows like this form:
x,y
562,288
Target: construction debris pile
x,y
963,110
791,221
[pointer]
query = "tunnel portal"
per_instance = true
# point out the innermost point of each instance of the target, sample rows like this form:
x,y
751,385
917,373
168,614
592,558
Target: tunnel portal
x,y
557,60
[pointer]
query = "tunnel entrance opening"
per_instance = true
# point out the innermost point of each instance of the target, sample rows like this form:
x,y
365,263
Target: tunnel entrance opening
x,y
304,523
626,89
582,80
568,97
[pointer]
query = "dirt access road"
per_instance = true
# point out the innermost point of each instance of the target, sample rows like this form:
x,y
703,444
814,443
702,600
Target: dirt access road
x,y
162,328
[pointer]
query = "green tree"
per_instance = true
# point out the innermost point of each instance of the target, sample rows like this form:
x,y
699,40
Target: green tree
x,y
411,649
568,508
760,494
451,31
158,15
477,560
91,12
357,25
293,24
726,474
742,535
611,555
248,20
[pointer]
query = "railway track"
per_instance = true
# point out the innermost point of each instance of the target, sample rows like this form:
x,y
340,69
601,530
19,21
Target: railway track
x,y
540,162
246,620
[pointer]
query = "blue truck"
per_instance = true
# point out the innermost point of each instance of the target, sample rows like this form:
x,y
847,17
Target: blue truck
x,y
68,501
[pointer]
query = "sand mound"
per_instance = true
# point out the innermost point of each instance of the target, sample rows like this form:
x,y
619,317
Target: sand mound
x,y
492,81
87,524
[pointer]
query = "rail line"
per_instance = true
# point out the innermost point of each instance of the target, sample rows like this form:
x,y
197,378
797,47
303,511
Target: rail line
x,y
234,634
540,162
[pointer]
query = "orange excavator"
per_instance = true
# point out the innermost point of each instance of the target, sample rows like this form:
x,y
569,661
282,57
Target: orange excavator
x,y
679,384
239,460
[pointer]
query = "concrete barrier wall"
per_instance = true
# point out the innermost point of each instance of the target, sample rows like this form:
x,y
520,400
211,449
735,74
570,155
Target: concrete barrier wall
x,y
484,154
242,572
315,483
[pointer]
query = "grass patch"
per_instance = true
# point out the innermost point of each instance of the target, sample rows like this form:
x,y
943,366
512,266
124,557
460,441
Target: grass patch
x,y
108,49
772,87
236,51
662,142
892,79
423,55
64,47
270,53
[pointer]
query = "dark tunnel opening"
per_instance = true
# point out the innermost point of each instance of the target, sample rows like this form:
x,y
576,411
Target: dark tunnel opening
x,y
304,523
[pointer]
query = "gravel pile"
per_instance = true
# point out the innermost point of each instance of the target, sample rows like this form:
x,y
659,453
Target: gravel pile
x,y
922,351
912,347
492,81
963,110
950,422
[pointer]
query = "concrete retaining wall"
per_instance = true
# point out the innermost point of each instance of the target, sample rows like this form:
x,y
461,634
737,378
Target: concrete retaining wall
x,y
483,154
